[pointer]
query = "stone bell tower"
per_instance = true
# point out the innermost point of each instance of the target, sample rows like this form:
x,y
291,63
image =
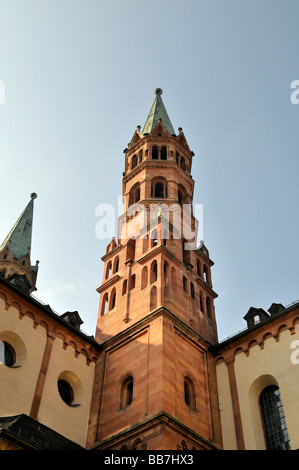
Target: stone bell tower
x,y
155,385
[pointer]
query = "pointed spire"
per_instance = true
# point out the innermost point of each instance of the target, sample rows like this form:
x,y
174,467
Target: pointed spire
x,y
19,238
15,264
158,111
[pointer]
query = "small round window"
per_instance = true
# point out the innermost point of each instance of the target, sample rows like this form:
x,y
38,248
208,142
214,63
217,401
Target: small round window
x,y
65,391
70,388
13,351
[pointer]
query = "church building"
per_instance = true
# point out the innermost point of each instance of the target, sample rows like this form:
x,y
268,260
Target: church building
x,y
154,376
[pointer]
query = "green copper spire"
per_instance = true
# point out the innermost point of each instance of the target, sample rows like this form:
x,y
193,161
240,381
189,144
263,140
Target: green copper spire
x,y
157,112
19,238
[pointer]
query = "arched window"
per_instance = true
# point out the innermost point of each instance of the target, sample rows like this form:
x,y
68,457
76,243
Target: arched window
x,y
183,165
104,304
108,269
13,351
155,152
134,194
185,284
144,276
132,282
164,153
189,393
273,417
192,290
208,306
124,291
116,265
126,394
159,190
112,299
153,298
154,272
134,161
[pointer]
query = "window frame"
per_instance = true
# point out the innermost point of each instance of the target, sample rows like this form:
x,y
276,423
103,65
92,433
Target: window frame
x,y
126,392
273,419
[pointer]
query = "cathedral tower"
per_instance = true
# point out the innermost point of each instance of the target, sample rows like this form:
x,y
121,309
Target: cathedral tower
x,y
155,382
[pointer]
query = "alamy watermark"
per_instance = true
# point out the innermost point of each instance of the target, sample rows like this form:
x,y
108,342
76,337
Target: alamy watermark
x,y
177,221
295,94
295,354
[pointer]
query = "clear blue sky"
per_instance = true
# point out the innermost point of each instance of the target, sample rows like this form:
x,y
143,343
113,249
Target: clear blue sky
x,y
80,76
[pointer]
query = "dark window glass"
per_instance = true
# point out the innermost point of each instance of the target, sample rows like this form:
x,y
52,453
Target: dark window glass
x,y
113,301
159,190
134,161
65,391
127,392
275,427
155,153
9,355
164,153
189,392
130,392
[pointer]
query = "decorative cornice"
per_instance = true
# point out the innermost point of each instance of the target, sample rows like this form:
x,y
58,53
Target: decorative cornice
x,y
30,306
111,253
160,418
157,163
135,328
108,283
156,251
206,286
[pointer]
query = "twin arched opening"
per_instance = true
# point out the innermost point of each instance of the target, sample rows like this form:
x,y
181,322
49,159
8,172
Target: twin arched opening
x,y
159,153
